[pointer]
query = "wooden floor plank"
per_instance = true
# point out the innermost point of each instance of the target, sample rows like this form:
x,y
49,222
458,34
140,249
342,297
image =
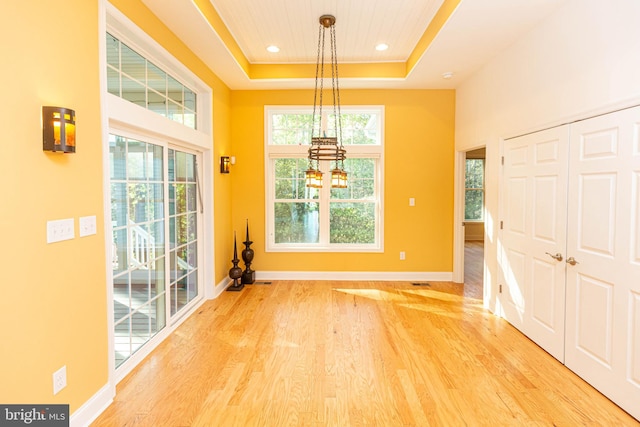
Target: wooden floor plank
x,y
323,353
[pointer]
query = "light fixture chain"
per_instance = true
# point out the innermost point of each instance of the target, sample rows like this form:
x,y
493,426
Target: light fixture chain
x,y
315,92
321,81
334,56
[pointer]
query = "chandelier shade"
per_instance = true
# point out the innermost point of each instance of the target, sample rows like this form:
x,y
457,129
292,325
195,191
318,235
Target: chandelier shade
x,y
323,147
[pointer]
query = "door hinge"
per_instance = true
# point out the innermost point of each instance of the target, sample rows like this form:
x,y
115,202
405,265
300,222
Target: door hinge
x,y
499,288
502,161
501,225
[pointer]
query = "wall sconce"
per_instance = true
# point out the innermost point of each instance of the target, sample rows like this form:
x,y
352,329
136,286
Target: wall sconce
x,y
225,163
58,129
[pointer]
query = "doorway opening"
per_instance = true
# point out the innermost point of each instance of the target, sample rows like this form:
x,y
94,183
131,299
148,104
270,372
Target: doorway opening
x,y
473,221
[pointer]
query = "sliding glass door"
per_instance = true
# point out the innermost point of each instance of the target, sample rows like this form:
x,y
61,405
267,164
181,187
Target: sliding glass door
x,y
153,195
183,227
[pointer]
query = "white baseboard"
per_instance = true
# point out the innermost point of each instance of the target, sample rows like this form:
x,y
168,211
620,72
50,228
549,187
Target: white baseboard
x,y
93,407
219,288
444,276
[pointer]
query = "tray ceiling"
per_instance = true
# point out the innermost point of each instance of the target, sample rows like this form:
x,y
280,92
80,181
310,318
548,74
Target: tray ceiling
x,y
426,38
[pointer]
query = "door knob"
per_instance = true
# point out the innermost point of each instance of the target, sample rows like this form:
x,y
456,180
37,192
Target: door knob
x,y
571,260
557,257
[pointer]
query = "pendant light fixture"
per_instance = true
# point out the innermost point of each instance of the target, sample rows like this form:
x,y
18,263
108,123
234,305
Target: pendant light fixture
x,y
323,147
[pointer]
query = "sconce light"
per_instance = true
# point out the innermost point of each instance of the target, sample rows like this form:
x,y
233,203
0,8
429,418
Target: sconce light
x,y
58,129
225,162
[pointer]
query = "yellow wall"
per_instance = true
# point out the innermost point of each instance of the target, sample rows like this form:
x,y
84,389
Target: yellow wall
x,y
53,304
419,141
53,307
474,231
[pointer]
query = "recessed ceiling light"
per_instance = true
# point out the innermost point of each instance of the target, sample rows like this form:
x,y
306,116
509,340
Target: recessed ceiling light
x,y
447,75
273,49
382,46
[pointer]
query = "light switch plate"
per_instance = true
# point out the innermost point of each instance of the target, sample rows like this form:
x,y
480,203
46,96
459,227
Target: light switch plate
x,y
60,229
87,225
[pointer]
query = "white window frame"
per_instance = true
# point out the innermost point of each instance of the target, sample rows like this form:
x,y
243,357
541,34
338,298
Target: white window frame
x,y
149,89
125,118
273,151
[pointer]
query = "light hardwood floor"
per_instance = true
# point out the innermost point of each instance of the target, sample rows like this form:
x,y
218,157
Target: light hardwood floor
x,y
473,268
330,353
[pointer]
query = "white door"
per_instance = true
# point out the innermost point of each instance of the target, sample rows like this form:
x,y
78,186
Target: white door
x,y
534,203
603,288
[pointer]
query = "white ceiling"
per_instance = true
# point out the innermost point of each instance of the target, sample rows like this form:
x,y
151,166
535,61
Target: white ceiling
x,y
476,31
293,26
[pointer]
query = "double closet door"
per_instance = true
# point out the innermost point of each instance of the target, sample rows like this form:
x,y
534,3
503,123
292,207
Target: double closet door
x,y
570,253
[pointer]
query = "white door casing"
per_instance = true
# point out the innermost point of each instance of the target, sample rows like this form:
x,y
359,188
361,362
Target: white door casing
x,y
534,209
603,288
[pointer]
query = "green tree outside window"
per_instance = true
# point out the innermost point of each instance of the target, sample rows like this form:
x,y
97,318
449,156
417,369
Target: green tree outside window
x,y
474,190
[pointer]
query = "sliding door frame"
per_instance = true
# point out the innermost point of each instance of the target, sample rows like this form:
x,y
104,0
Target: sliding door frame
x,y
205,247
118,116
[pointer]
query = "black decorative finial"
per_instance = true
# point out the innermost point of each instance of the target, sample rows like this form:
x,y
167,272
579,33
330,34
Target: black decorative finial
x,y
249,275
235,273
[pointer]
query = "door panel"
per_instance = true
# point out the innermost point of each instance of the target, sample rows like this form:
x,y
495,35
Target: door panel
x,y
517,209
594,322
545,278
601,144
545,208
534,228
603,342
184,286
138,263
514,298
597,213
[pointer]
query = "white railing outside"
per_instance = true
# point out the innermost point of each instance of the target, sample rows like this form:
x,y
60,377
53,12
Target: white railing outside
x,y
142,247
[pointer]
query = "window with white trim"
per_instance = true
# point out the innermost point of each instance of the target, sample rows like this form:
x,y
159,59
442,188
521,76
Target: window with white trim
x,y
474,190
324,219
135,78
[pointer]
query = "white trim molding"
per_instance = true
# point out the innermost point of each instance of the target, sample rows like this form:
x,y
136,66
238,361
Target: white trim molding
x,y
400,276
92,408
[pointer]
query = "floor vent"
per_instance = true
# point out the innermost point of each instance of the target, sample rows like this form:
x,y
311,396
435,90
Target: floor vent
x,y
420,284
262,283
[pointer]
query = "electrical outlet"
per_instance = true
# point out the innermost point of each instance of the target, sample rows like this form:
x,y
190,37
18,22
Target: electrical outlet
x,y
412,201
59,379
402,255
